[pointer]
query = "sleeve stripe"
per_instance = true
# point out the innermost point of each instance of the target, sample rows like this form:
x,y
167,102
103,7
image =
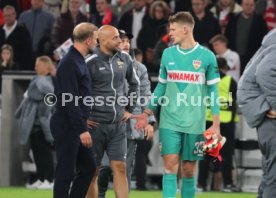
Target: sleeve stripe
x,y
90,58
210,82
162,80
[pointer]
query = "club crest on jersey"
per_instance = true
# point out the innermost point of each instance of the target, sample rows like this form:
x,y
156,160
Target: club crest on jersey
x,y
196,64
120,64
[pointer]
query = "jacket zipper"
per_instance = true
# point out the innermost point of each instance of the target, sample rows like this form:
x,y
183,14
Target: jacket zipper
x,y
112,86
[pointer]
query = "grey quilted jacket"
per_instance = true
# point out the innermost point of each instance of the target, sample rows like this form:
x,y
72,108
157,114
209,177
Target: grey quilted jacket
x,y
33,109
257,87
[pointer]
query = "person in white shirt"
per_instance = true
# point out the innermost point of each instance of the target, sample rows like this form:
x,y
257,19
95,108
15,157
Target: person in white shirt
x,y
219,43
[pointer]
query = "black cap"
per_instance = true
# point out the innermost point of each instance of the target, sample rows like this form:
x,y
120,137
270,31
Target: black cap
x,y
124,33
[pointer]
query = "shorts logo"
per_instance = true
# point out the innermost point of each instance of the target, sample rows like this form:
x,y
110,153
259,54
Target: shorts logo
x,y
196,64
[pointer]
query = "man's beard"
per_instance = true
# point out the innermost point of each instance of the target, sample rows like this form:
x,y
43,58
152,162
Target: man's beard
x,y
91,50
116,49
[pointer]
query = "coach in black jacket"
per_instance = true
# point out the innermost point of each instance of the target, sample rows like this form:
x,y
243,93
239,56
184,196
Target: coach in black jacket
x,y
69,123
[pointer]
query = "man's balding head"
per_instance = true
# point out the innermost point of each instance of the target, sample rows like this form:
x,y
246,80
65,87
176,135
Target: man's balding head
x,y
83,31
106,32
109,38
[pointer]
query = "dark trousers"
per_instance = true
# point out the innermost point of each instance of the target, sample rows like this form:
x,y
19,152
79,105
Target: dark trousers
x,y
141,161
104,177
227,151
42,156
75,163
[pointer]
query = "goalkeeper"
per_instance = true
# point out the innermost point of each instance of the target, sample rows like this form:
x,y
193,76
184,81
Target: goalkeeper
x,y
188,74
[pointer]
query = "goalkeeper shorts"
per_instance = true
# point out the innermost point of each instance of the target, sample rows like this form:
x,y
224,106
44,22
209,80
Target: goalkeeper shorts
x,y
188,145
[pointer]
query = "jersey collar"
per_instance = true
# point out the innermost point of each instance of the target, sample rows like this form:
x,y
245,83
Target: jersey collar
x,y
188,51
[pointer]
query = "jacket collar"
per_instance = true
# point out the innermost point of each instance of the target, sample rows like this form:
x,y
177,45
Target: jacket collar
x,y
104,56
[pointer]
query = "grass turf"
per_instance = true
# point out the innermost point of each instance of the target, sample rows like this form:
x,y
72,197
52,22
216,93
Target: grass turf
x,y
20,192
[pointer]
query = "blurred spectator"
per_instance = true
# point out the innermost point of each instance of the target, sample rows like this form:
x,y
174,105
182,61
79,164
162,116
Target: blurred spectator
x,y
149,2
267,8
18,37
85,9
12,3
158,49
211,3
134,20
7,62
227,127
39,23
24,5
1,18
219,43
53,7
181,5
64,6
33,117
64,25
153,30
245,32
206,25
222,10
121,7
104,14
92,6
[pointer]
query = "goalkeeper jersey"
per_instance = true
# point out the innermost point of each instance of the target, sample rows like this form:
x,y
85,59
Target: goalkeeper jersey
x,y
183,86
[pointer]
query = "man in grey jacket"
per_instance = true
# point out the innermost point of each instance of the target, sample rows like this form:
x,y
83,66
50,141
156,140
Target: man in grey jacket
x,y
257,100
109,68
133,135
